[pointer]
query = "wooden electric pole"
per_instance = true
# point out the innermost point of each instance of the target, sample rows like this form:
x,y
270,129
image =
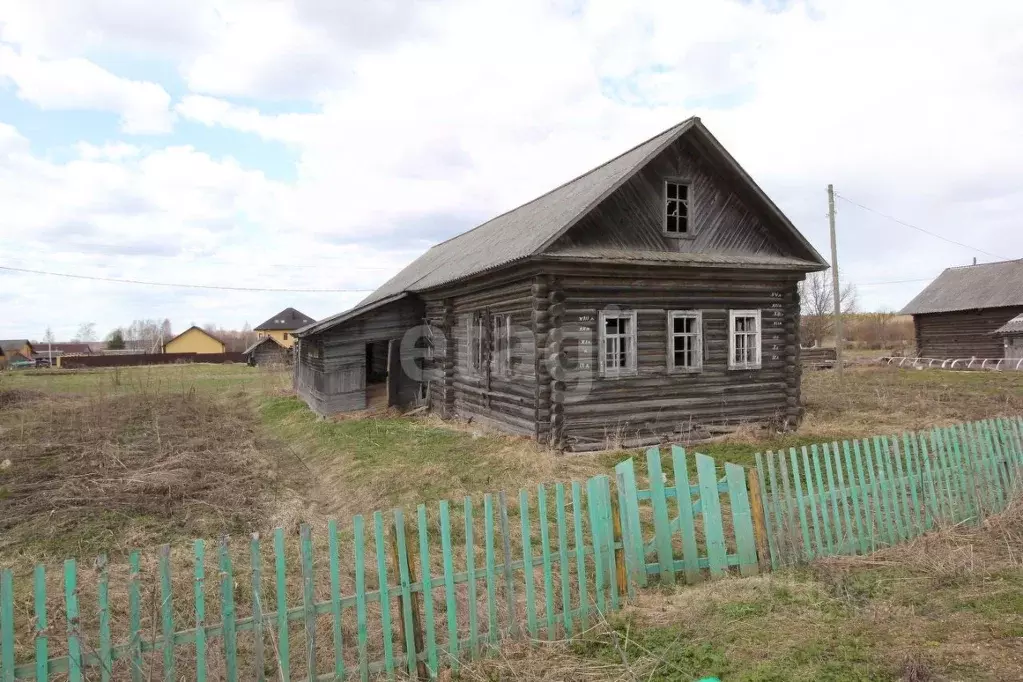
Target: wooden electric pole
x,y
834,282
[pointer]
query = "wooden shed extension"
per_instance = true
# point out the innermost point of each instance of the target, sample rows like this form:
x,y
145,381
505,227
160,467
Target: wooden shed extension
x,y
654,296
957,314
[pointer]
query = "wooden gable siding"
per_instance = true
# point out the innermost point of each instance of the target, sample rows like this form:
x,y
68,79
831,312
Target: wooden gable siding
x,y
655,403
509,400
962,334
331,373
632,217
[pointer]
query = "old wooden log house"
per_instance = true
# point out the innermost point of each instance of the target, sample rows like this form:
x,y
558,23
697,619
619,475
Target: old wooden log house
x,y
650,298
961,313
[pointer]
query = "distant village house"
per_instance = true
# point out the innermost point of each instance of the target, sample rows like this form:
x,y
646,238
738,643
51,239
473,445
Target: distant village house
x,y
195,340
282,326
964,313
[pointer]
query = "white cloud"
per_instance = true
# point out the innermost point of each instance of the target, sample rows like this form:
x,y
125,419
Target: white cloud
x,y
424,122
77,84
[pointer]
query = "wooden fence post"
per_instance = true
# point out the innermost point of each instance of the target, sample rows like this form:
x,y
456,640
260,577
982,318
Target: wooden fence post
x,y
616,525
756,503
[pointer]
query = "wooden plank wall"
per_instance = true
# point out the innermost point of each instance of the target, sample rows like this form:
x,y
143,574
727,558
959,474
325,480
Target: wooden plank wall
x,y
331,372
631,218
962,334
639,410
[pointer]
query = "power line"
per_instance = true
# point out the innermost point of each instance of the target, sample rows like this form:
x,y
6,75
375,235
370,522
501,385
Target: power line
x,y
919,229
894,281
183,286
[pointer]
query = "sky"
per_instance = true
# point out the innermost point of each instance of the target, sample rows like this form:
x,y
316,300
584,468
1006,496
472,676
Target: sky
x,y
319,145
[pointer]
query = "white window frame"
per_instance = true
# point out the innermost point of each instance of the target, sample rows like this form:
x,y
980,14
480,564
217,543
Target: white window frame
x,y
757,337
697,340
689,231
500,337
630,339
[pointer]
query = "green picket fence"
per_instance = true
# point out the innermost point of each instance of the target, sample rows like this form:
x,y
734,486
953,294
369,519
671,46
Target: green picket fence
x,y
859,496
354,603
697,530
261,613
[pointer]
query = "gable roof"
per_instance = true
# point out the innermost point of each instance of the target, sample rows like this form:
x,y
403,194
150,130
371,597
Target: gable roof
x,y
286,320
260,342
1013,326
531,228
197,328
971,287
13,345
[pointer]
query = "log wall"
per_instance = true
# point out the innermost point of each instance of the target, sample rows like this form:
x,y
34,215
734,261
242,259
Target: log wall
x,y
963,334
506,400
603,412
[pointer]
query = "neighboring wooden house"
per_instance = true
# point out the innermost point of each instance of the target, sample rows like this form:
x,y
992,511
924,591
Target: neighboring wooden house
x,y
267,351
654,296
195,340
1011,335
282,326
957,314
21,346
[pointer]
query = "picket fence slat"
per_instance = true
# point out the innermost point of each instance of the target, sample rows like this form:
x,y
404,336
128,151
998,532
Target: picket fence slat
x,y
742,519
74,642
283,644
227,611
662,530
7,624
409,613
580,554
833,497
545,553
450,604
827,532
384,592
592,504
471,578
42,643
427,591
684,507
488,532
566,587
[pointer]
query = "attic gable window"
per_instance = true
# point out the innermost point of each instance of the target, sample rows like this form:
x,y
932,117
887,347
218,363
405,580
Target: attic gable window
x,y
677,202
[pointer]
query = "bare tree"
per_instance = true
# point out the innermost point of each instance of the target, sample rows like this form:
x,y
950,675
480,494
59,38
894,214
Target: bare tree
x,y
817,306
86,332
48,336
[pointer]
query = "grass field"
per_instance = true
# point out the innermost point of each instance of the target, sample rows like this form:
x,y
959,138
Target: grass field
x,y
112,460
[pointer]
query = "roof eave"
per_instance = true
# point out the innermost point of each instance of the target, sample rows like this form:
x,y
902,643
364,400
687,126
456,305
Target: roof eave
x,y
340,318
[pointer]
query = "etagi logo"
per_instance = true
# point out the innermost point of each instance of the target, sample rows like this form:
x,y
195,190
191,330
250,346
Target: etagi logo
x,y
567,356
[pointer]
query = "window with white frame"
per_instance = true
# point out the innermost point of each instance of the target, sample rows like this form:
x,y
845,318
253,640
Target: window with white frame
x,y
617,343
677,200
685,340
500,356
744,339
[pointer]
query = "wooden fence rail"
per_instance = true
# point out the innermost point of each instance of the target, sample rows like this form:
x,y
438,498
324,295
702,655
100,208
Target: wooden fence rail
x,y
395,594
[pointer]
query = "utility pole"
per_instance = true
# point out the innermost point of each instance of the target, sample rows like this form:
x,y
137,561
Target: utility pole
x,y
834,282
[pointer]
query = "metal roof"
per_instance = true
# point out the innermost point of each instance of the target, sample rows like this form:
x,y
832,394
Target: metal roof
x,y
1013,326
971,287
532,228
286,320
328,322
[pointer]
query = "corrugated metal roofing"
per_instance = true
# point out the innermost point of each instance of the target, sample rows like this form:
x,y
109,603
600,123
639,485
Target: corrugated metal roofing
x,y
529,229
971,287
520,232
328,322
1013,326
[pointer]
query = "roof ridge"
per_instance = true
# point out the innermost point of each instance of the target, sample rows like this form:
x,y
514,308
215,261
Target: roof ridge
x,y
569,182
978,265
